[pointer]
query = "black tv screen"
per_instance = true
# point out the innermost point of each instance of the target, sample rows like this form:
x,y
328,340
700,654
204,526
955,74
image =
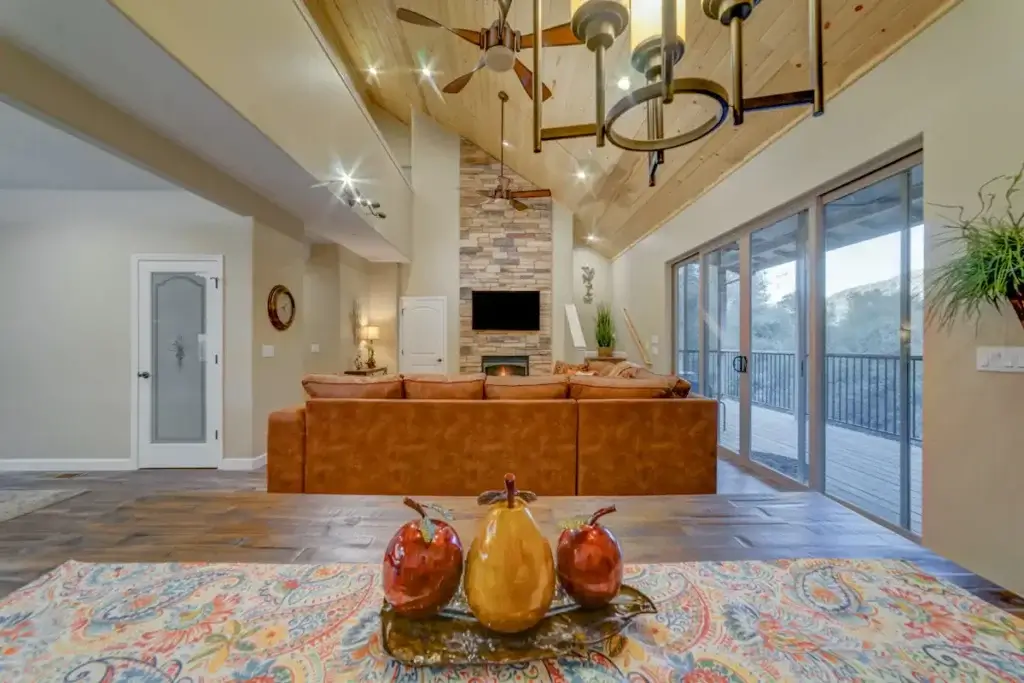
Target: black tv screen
x,y
506,310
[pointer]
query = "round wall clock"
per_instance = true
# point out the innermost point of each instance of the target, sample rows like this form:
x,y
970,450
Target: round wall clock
x,y
281,307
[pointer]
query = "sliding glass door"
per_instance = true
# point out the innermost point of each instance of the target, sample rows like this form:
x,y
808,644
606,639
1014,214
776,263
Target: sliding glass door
x,y
722,341
832,287
873,360
778,394
687,278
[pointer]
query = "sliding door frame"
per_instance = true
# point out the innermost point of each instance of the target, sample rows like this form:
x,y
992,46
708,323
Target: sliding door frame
x,y
812,324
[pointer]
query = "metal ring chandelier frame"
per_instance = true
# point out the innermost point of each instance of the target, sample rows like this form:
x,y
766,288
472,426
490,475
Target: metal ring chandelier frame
x,y
597,23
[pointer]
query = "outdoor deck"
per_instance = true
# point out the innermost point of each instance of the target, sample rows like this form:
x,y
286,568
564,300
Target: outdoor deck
x,y
860,468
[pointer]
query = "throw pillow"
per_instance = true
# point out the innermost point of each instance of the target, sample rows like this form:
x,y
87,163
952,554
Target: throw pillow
x,y
563,368
583,388
457,387
348,386
526,388
677,385
625,370
601,366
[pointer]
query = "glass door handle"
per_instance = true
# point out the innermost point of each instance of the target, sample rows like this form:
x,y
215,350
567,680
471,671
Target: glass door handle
x,y
739,364
144,374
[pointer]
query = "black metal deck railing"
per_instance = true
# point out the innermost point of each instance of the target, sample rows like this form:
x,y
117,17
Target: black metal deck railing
x,y
861,390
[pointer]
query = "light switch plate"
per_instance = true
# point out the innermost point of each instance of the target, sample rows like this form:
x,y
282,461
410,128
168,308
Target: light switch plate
x,y
268,351
314,348
654,339
1000,358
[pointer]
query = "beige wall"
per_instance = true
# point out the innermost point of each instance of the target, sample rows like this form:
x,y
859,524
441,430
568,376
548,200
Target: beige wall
x,y
321,308
382,311
353,291
434,270
276,382
585,256
561,281
964,102
397,135
65,350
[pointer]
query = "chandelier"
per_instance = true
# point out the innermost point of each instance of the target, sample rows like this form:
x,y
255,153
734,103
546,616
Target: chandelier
x,y
657,32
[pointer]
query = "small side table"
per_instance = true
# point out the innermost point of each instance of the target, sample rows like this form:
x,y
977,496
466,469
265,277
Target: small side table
x,y
366,372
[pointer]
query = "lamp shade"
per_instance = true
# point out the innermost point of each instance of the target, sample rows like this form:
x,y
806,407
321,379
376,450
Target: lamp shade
x,y
370,333
645,21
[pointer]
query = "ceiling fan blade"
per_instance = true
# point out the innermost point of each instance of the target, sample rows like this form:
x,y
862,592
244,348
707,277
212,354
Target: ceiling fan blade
x,y
485,193
519,206
526,78
408,16
556,36
530,194
459,83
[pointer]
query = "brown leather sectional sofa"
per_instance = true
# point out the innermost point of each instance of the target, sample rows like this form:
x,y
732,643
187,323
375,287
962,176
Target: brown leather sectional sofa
x,y
560,435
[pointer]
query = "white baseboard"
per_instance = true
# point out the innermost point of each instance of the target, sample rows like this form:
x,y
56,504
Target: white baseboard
x,y
67,465
243,464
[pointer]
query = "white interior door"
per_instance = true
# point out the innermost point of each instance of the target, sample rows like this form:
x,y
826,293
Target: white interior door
x,y
178,368
423,334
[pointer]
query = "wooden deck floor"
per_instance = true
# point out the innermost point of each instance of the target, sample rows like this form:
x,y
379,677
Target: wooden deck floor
x,y
860,468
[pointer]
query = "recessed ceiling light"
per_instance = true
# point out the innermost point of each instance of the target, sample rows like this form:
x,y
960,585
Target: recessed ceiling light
x,y
426,72
504,143
591,237
581,174
624,83
372,71
345,178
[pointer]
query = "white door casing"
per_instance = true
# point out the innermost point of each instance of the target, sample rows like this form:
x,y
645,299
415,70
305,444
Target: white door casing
x,y
178,360
423,335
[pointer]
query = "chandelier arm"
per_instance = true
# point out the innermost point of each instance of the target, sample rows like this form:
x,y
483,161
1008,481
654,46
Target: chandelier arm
x,y
736,36
817,61
692,86
537,77
668,28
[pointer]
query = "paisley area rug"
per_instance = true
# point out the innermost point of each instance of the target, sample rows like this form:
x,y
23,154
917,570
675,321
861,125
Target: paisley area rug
x,y
17,503
732,622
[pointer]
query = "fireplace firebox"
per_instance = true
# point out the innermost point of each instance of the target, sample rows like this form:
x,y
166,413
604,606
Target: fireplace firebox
x,y
503,366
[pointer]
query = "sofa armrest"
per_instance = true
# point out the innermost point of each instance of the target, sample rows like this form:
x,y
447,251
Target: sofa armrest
x,y
286,450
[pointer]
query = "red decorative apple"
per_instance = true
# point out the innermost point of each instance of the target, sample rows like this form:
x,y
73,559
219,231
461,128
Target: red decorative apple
x,y
589,561
422,566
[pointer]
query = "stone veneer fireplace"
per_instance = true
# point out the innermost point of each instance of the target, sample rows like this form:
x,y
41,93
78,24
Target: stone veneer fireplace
x,y
501,250
503,366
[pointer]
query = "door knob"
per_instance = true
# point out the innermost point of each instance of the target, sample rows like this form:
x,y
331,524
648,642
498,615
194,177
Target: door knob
x,y
440,360
144,374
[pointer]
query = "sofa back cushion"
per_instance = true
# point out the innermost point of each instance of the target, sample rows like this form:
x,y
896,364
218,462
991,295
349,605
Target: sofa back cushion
x,y
348,386
677,385
452,388
526,388
584,387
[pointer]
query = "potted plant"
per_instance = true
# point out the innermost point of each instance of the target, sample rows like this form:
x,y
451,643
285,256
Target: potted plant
x,y
989,268
604,331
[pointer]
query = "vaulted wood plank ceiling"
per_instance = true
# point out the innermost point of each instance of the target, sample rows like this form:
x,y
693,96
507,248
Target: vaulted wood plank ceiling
x,y
612,201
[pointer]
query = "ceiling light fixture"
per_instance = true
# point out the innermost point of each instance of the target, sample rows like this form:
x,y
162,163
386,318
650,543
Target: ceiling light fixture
x,y
372,71
426,72
504,143
624,83
657,41
581,174
591,237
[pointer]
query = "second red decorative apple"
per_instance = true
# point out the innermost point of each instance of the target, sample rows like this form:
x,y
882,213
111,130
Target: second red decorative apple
x,y
589,561
422,565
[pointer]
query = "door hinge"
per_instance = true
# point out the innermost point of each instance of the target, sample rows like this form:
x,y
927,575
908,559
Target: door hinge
x,y
216,435
216,283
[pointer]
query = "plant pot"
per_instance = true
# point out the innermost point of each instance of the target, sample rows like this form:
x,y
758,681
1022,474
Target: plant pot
x,y
605,351
1017,301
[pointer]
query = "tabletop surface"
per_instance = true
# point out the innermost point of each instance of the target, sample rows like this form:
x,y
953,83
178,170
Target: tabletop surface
x,y
117,525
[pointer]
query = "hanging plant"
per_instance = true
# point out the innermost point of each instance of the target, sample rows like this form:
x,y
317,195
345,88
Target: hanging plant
x,y
989,268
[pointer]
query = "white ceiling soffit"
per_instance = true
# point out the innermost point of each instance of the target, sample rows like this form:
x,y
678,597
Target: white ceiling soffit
x,y
37,156
93,43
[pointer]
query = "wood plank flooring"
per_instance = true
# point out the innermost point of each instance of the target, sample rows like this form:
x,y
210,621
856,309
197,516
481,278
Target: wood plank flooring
x,y
212,516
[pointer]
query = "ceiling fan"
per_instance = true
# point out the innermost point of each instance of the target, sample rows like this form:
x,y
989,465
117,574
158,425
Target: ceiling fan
x,y
503,191
499,44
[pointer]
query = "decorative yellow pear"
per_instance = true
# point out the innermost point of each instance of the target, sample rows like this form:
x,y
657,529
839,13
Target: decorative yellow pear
x,y
510,573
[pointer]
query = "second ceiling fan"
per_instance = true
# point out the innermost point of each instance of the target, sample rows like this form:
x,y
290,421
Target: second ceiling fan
x,y
498,44
503,192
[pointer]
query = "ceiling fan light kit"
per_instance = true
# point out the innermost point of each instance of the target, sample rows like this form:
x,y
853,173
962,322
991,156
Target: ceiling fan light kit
x,y
657,33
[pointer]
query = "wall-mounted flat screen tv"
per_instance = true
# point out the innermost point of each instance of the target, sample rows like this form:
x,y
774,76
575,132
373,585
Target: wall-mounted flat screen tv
x,y
519,311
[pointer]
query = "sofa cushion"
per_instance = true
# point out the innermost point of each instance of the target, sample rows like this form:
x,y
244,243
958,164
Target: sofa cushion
x,y
456,387
625,370
350,386
526,388
601,366
677,385
585,387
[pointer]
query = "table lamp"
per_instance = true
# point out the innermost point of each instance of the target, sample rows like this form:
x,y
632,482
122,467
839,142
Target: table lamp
x,y
368,334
